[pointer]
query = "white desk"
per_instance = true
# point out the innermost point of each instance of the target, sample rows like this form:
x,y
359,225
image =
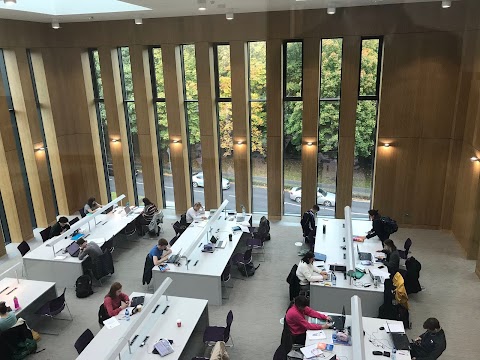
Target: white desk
x,y
192,312
380,340
202,278
31,295
332,298
42,264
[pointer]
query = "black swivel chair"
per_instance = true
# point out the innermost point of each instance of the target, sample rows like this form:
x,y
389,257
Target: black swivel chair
x,y
23,247
83,341
45,233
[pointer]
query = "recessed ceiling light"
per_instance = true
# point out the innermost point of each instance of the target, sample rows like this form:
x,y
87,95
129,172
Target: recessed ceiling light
x,y
446,4
331,10
202,5
55,25
138,21
229,16
10,2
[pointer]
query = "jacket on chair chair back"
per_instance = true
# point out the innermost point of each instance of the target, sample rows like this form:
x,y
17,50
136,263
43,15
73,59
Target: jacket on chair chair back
x,y
400,292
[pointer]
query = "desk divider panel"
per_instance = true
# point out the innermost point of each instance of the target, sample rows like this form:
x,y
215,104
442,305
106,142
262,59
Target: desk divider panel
x,y
350,243
358,343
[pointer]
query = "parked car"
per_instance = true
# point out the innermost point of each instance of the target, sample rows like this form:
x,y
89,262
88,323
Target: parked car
x,y
197,181
324,198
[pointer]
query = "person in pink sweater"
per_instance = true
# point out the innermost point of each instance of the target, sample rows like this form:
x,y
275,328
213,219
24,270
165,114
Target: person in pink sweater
x,y
297,322
115,301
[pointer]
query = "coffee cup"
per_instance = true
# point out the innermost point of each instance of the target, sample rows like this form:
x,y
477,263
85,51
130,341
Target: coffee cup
x,y
179,323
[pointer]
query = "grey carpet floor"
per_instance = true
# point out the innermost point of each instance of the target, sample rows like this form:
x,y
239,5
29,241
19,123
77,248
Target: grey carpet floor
x,y
452,294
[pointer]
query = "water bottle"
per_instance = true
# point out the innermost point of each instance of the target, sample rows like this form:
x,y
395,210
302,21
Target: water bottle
x,y
127,314
243,212
334,279
394,354
15,303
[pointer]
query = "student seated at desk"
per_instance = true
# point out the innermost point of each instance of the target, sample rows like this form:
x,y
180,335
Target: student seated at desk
x,y
297,322
194,213
392,262
431,344
91,249
7,317
60,227
91,206
115,301
160,252
146,216
308,273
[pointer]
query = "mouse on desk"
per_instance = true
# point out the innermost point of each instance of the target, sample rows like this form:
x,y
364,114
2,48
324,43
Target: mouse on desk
x,y
381,328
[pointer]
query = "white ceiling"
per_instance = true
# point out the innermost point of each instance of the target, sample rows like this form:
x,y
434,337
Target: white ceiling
x,y
101,10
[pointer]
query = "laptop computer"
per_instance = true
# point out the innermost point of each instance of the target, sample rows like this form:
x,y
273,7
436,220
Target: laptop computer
x,y
221,244
364,255
320,257
73,249
127,210
175,258
108,210
400,340
137,300
339,321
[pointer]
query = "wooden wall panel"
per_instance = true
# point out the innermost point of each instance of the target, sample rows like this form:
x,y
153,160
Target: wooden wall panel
x,y
177,127
208,124
311,111
241,124
275,128
3,249
450,190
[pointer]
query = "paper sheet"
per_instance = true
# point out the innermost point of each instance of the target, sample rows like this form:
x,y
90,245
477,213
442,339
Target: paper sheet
x,y
111,323
316,335
311,351
396,327
60,257
379,272
244,228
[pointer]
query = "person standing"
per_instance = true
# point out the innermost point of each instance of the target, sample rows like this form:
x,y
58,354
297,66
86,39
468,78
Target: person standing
x,y
378,229
431,344
115,301
60,227
146,216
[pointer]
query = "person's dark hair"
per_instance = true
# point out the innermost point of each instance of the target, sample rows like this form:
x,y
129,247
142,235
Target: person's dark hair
x,y
146,201
81,241
301,301
309,255
113,289
62,219
3,308
162,242
390,244
316,207
90,201
431,324
373,212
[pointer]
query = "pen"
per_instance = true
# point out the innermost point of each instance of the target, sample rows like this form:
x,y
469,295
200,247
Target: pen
x,y
156,307
133,340
196,262
11,291
4,290
144,341
86,236
165,310
200,245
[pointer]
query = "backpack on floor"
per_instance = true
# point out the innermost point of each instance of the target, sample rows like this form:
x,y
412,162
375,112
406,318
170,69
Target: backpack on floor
x,y
83,286
389,225
248,269
25,348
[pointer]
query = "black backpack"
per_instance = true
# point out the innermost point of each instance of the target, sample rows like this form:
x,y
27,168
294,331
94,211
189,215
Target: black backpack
x,y
389,225
83,286
248,269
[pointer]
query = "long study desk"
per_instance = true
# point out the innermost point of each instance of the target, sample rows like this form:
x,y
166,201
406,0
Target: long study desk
x,y
162,324
42,264
201,279
332,298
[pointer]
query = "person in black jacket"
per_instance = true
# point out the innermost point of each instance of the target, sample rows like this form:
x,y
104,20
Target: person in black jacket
x,y
392,261
378,228
308,220
431,344
60,227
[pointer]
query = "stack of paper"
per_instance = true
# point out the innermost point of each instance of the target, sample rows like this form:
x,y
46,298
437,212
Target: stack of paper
x,y
311,351
316,335
396,327
111,323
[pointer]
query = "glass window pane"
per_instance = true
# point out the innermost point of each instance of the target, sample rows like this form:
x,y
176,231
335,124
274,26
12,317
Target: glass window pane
x,y
258,151
331,68
224,72
258,70
190,72
293,76
225,123
97,77
327,156
103,128
158,66
195,151
369,66
127,73
165,161
292,167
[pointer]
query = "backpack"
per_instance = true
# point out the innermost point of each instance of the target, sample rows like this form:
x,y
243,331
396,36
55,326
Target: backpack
x,y
389,225
250,269
83,286
102,314
25,348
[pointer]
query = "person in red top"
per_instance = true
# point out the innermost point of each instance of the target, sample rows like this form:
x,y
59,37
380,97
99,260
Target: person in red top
x,y
115,301
297,322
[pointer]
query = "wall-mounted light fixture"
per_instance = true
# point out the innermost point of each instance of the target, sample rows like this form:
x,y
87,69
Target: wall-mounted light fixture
x,y
386,145
176,141
240,142
55,25
229,15
10,2
474,158
446,4
138,21
115,140
309,143
40,149
202,5
331,11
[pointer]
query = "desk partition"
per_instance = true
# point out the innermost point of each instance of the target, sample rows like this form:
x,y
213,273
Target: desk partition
x,y
349,235
358,341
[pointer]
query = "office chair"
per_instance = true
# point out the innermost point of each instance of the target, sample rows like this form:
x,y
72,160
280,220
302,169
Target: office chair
x,y
213,334
406,249
226,277
54,307
83,341
74,220
23,247
45,233
82,212
243,259
256,244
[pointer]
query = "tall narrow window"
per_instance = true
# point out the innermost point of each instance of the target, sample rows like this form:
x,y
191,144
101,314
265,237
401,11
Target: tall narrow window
x,y
257,78
42,130
223,91
193,122
366,125
131,121
163,138
4,224
102,123
292,126
18,146
330,84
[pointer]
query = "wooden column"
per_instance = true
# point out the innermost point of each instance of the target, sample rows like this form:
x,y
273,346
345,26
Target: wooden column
x,y
177,127
11,181
29,132
311,111
208,124
147,133
117,127
275,128
241,124
348,115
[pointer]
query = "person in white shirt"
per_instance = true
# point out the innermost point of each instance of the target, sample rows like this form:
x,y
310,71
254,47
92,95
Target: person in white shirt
x,y
308,273
194,213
